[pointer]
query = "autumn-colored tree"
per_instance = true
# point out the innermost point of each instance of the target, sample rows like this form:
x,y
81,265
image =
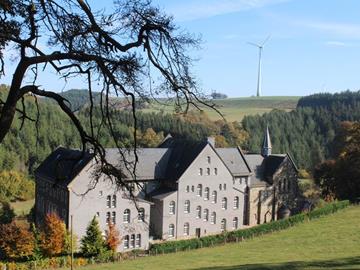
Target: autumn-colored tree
x,y
15,241
15,186
53,235
112,237
340,177
220,141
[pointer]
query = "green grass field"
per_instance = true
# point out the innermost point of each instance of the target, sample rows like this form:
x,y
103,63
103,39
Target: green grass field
x,y
331,242
234,109
22,208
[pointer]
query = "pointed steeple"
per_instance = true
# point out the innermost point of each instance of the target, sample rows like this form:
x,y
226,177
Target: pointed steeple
x,y
266,147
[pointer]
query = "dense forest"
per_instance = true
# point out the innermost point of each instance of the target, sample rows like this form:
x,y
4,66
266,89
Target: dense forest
x,y
307,132
25,148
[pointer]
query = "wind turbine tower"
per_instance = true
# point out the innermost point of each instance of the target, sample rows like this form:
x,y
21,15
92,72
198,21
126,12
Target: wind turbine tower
x,y
260,47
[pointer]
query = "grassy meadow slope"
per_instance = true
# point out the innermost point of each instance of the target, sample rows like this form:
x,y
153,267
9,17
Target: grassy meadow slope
x,y
331,242
234,109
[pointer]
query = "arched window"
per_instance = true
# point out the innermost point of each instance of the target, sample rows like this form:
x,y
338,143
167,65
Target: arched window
x,y
199,190
171,230
172,208
223,225
224,186
187,206
108,201
215,171
236,202
206,215
209,159
186,228
200,171
224,203
235,223
138,240
113,203
214,196
187,188
207,171
141,215
126,242
198,211
126,217
220,186
206,194
213,218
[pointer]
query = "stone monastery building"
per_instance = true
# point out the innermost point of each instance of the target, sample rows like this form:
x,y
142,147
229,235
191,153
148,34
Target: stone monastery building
x,y
182,189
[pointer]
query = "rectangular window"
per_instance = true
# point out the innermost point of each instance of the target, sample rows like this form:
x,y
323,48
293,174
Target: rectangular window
x,y
107,218
215,171
126,242
138,240
113,217
108,201
132,241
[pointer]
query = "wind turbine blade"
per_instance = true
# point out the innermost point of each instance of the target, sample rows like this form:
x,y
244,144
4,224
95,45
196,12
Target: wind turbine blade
x,y
254,44
266,40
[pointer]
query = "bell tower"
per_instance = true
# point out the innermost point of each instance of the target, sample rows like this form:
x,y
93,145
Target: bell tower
x,y
266,147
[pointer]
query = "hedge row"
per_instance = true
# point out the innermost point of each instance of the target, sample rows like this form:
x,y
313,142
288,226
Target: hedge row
x,y
239,235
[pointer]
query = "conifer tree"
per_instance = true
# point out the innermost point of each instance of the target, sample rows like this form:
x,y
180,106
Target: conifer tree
x,y
92,243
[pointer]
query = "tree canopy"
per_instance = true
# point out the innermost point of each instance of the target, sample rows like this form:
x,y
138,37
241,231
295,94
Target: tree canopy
x,y
112,51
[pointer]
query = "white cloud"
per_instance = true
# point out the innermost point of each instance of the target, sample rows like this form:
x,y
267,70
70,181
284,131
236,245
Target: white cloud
x,y
336,43
208,8
346,30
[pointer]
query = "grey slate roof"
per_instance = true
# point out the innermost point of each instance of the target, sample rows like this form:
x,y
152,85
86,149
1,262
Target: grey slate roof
x,y
62,165
161,193
255,162
152,162
233,160
182,155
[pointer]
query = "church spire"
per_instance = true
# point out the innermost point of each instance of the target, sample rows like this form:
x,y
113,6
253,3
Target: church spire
x,y
266,147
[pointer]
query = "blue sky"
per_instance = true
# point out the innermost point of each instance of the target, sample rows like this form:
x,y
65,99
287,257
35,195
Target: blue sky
x,y
314,45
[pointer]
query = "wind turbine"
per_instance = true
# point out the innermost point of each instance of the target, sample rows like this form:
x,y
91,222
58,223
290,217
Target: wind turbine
x,y
260,46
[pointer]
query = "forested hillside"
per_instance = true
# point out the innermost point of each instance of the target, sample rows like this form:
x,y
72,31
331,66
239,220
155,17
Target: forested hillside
x,y
307,132
23,149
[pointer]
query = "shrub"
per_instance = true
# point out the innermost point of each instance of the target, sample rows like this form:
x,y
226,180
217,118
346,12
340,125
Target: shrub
x,y
53,235
112,238
15,241
7,214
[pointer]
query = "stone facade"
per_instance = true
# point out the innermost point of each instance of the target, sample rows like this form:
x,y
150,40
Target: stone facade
x,y
184,191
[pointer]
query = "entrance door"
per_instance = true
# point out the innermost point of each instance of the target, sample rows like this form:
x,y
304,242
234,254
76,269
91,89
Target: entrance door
x,y
197,232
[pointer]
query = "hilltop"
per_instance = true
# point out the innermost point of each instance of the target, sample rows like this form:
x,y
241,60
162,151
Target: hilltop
x,y
233,109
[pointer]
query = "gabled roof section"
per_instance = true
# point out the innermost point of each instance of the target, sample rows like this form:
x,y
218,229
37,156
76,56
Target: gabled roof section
x,y
152,162
181,157
272,163
256,163
62,165
234,161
